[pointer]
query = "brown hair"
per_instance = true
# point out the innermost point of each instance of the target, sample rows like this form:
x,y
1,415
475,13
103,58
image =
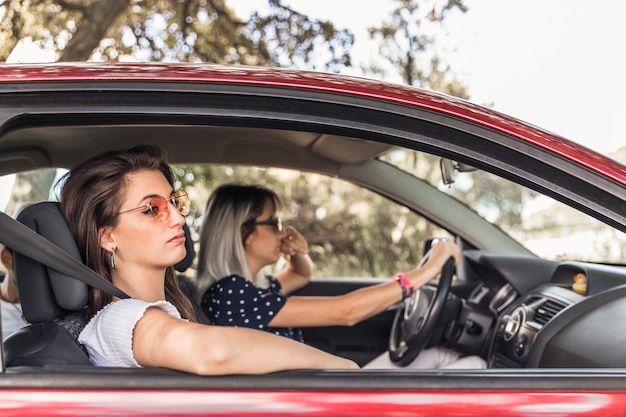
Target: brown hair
x,y
91,198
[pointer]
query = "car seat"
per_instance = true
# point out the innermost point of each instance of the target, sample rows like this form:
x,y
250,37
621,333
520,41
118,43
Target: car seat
x,y
185,283
54,303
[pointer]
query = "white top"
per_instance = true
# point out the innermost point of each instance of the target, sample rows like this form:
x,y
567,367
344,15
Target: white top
x,y
108,336
12,318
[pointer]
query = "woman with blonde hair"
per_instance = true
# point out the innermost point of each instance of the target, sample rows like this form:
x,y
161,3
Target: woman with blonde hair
x,y
242,233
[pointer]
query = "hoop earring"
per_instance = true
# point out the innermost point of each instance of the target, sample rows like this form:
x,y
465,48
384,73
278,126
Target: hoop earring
x,y
113,260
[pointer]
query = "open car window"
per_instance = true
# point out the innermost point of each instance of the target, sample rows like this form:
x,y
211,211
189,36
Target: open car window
x,y
354,232
368,172
351,231
543,225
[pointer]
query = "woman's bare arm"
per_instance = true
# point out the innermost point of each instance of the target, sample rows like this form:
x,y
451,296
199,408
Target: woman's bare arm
x,y
161,340
356,306
341,310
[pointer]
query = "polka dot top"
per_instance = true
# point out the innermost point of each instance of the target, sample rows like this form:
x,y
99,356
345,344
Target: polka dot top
x,y
235,301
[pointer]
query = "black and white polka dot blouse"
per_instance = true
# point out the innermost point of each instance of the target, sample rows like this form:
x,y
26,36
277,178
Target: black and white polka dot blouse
x,y
235,301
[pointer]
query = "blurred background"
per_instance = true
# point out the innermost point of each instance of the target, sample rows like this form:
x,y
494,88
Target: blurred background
x,y
558,64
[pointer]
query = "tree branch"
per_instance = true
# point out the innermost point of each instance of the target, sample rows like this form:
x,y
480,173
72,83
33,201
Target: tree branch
x,y
68,5
97,19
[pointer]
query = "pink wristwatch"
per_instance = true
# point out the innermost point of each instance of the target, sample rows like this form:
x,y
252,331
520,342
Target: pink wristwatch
x,y
405,285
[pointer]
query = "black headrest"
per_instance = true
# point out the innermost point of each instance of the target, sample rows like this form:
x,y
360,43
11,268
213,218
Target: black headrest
x,y
187,261
46,294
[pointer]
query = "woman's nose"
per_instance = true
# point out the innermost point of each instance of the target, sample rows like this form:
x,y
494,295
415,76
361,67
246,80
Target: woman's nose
x,y
176,217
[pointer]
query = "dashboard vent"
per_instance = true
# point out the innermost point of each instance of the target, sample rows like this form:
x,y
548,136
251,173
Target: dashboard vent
x,y
547,310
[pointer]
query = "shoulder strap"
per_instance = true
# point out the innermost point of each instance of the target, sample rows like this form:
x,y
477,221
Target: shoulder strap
x,y
22,239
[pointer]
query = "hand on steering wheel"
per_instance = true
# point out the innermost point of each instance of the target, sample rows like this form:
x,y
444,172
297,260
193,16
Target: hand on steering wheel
x,y
414,323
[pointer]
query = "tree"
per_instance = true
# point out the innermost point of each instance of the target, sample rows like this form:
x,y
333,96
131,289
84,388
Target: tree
x,y
350,231
407,43
407,46
173,30
353,236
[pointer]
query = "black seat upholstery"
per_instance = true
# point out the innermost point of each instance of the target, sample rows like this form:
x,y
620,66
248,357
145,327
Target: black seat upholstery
x,y
187,261
51,301
185,283
54,303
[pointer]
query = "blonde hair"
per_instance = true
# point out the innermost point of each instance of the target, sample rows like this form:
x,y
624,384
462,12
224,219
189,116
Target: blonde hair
x,y
228,221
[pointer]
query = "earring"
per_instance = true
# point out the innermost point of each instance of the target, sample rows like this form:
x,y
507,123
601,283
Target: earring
x,y
113,260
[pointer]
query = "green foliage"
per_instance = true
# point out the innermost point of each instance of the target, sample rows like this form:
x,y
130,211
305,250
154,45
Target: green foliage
x,y
351,231
45,22
174,31
407,43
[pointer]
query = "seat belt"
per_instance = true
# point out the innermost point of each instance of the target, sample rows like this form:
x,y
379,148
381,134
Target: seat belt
x,y
26,241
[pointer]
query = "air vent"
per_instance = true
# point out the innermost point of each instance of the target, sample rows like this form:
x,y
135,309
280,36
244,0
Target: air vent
x,y
547,310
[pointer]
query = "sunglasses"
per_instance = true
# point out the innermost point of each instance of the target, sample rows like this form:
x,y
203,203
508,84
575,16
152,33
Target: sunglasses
x,y
276,223
159,208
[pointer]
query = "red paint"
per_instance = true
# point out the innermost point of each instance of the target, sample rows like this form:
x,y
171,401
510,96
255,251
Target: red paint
x,y
319,81
33,403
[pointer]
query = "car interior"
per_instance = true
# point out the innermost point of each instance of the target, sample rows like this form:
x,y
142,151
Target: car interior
x,y
504,302
53,302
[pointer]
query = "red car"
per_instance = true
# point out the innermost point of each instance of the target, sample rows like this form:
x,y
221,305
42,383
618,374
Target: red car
x,y
539,293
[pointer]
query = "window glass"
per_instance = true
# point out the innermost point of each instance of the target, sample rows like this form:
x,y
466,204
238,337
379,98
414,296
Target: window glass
x,y
545,226
351,231
26,188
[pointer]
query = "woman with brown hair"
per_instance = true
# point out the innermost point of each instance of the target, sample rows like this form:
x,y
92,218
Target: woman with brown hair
x,y
127,220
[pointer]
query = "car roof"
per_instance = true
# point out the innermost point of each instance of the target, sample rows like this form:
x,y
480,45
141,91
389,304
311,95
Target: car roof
x,y
69,76
57,115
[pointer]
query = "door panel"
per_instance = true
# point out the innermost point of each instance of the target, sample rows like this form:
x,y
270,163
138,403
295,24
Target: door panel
x,y
361,342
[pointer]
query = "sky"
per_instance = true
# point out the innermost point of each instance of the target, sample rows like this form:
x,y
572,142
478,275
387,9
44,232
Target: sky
x,y
558,64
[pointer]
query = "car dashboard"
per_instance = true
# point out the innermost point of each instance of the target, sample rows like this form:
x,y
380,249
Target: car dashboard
x,y
573,320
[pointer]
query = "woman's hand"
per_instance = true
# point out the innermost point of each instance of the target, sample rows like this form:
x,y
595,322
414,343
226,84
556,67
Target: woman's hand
x,y
293,243
299,267
439,253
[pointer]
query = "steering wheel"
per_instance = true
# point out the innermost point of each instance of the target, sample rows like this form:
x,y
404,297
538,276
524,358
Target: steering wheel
x,y
415,322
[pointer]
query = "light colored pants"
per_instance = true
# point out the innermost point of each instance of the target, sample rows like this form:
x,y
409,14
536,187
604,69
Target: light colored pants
x,y
434,358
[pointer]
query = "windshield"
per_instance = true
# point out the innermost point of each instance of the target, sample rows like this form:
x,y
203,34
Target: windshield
x,y
542,224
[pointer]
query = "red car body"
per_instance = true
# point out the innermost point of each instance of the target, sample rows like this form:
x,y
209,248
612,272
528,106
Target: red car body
x,y
322,82
502,392
35,403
